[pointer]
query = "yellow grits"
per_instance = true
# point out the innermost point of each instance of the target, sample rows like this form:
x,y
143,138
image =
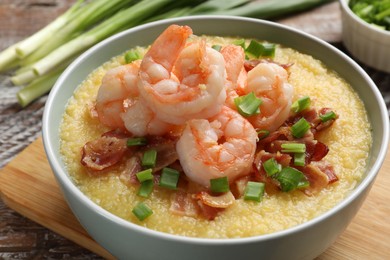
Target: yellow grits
x,y
349,141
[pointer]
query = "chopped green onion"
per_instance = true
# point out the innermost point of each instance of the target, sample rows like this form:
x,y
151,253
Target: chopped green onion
x,y
149,158
268,50
262,134
217,47
328,116
142,211
257,49
136,141
300,104
248,105
300,128
299,159
254,48
290,179
145,175
271,167
169,178
146,188
240,42
132,55
219,184
254,191
293,148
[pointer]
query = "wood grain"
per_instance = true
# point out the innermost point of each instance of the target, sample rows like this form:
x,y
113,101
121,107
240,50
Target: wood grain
x,y
39,198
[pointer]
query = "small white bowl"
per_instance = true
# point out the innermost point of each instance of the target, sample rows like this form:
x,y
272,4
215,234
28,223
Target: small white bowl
x,y
126,240
365,42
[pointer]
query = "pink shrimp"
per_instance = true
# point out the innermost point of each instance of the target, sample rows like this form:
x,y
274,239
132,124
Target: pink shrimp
x,y
118,84
182,81
119,106
269,81
222,146
236,74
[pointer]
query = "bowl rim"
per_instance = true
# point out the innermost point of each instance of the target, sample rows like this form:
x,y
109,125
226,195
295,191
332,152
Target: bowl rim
x,y
62,176
344,5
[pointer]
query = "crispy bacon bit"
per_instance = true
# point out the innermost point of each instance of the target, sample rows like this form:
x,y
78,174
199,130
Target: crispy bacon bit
x,y
328,169
239,185
271,185
323,125
317,151
183,204
318,180
166,150
130,169
250,64
221,201
117,133
208,212
103,152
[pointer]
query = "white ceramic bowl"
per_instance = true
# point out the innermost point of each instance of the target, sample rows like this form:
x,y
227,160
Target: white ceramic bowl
x,y
129,241
365,42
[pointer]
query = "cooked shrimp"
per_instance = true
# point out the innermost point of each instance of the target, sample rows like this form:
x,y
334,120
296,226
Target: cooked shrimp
x,y
269,82
182,81
119,106
118,84
236,74
222,146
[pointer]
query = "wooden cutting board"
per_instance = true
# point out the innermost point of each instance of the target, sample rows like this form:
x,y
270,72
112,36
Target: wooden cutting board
x,y
27,185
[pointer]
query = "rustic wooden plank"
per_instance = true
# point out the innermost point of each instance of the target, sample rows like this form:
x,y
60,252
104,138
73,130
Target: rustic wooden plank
x,y
38,197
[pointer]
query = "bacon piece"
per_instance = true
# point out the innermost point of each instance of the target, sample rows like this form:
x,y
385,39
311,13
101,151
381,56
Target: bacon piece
x,y
271,186
209,213
239,185
328,169
318,180
183,204
221,201
250,64
103,152
130,169
323,125
316,151
166,150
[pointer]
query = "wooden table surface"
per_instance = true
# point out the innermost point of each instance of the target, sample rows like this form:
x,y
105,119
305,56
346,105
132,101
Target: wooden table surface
x,y
21,238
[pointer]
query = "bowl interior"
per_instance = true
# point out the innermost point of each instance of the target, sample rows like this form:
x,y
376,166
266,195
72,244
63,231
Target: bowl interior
x,y
222,26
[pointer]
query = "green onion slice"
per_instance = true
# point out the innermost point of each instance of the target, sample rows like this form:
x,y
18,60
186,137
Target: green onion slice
x,y
262,134
328,116
291,179
142,211
149,158
146,188
145,175
271,166
254,191
169,178
268,50
248,105
300,128
219,184
136,141
299,159
254,49
300,104
217,47
240,42
132,55
293,148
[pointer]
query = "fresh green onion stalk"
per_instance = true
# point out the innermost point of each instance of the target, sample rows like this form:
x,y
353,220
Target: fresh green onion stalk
x,y
88,22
